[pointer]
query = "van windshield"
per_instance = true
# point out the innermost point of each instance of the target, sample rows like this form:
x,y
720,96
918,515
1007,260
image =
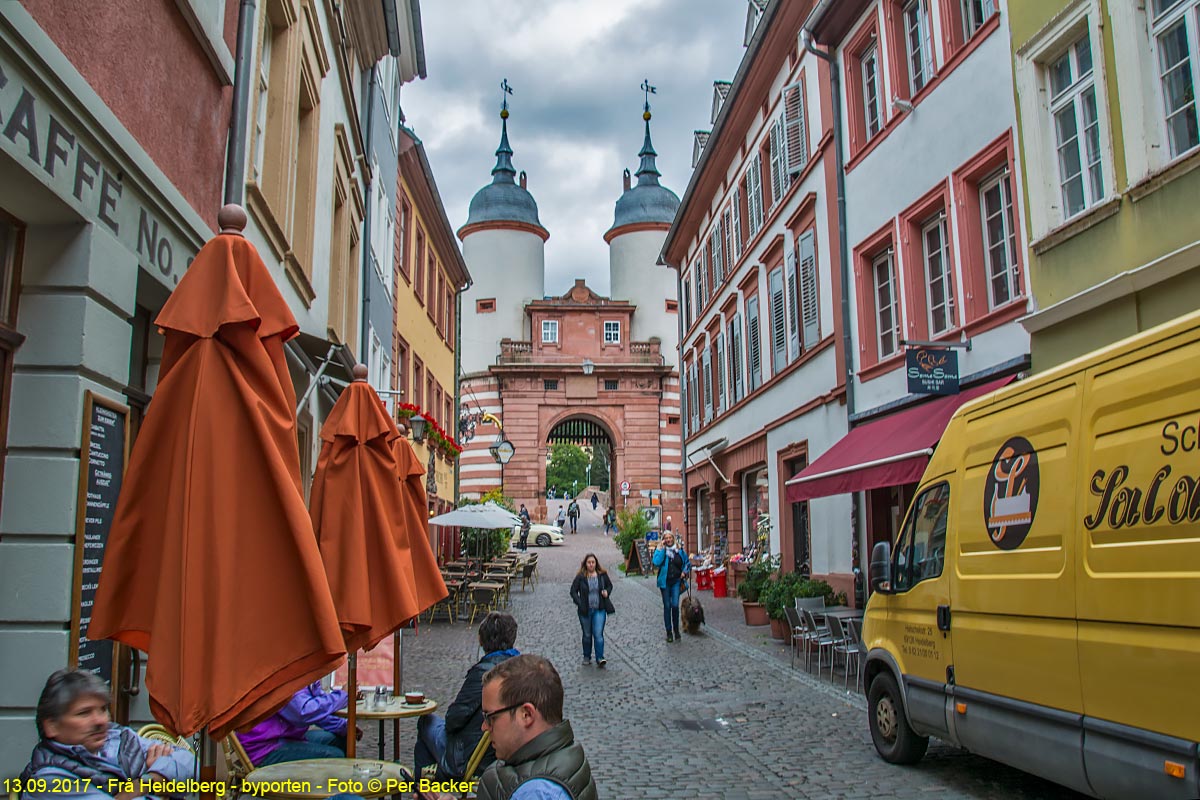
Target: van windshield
x,y
921,548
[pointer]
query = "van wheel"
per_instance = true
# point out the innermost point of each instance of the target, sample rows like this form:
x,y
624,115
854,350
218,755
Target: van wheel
x,y
894,738
543,540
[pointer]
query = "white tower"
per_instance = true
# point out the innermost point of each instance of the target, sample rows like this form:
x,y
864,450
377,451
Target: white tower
x,y
504,245
641,220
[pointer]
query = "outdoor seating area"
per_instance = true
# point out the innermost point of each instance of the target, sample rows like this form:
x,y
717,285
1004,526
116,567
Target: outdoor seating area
x,y
476,586
834,633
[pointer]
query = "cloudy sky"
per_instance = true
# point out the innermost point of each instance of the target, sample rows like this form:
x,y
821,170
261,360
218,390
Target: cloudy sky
x,y
575,124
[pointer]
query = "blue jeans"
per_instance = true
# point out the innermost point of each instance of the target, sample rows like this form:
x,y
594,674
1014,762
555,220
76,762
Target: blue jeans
x,y
316,744
593,632
670,598
431,741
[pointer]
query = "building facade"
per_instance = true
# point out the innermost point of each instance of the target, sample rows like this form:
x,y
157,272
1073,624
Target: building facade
x,y
755,244
113,173
1109,142
934,234
578,367
428,276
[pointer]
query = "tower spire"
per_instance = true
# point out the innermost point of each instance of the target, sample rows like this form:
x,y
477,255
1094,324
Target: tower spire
x,y
647,173
503,172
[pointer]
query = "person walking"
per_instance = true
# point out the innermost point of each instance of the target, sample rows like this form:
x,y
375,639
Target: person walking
x,y
523,542
591,591
595,501
673,566
561,519
610,520
573,514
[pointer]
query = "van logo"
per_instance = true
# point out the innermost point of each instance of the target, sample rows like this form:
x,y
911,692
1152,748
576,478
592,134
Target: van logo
x,y
1010,493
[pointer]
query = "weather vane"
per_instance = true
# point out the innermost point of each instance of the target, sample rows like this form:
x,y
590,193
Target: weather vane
x,y
505,91
647,90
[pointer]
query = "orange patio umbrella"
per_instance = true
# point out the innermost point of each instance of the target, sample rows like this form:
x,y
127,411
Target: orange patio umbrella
x,y
369,513
212,567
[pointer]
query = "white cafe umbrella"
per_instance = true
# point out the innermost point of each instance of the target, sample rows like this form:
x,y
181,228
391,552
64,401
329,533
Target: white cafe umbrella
x,y
483,515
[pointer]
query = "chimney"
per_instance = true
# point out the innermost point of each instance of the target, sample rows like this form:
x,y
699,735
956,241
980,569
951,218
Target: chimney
x,y
625,180
522,179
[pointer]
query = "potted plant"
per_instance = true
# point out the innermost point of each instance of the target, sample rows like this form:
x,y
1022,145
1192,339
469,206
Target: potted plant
x,y
758,575
780,594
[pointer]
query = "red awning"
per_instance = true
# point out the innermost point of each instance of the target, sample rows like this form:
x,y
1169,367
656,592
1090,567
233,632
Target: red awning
x,y
886,452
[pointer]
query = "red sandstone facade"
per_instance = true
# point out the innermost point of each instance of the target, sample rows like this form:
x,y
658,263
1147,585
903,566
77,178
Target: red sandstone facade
x,y
535,386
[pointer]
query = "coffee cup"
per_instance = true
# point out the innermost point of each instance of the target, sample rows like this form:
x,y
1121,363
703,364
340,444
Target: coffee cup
x,y
414,698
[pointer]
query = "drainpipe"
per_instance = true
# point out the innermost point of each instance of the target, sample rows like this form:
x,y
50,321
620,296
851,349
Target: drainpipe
x,y
835,86
682,394
458,296
235,153
364,345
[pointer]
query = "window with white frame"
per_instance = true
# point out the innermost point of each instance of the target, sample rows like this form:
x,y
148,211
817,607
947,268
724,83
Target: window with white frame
x,y
264,84
1177,46
612,332
974,14
887,309
1076,119
549,331
939,274
999,238
868,64
918,44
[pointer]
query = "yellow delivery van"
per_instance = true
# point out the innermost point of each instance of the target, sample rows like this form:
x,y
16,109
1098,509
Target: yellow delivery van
x,y
1041,604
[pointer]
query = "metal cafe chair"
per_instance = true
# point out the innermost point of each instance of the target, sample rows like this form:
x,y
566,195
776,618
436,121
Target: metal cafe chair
x,y
820,637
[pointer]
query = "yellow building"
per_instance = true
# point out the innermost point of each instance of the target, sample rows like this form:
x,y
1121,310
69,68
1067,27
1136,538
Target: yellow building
x,y
429,275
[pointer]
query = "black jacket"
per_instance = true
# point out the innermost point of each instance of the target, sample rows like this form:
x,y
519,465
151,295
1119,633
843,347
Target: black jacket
x,y
579,594
463,719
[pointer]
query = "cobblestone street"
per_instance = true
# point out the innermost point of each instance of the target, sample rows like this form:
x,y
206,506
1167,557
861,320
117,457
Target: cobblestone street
x,y
721,715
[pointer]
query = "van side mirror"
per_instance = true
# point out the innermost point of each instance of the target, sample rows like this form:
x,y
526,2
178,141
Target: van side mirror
x,y
881,567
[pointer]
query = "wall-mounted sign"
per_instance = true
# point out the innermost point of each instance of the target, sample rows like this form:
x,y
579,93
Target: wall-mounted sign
x,y
932,371
102,457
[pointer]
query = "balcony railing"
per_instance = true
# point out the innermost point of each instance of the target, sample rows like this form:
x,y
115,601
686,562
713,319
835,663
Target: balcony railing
x,y
523,352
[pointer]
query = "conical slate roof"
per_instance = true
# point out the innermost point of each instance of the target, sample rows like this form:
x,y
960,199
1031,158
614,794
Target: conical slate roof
x,y
503,200
648,201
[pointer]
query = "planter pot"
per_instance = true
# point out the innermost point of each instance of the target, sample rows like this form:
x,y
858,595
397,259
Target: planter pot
x,y
779,629
755,613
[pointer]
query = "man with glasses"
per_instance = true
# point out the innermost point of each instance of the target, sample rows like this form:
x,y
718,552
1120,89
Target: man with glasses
x,y
539,758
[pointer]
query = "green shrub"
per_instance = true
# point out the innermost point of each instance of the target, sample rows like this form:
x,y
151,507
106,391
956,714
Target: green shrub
x,y
631,526
781,593
758,575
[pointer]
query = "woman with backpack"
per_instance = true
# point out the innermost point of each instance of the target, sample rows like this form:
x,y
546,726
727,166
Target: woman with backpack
x,y
591,591
673,566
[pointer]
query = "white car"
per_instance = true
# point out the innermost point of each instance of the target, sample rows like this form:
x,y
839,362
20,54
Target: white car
x,y
540,534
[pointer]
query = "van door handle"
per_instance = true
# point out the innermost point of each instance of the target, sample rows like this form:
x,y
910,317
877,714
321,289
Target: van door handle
x,y
943,618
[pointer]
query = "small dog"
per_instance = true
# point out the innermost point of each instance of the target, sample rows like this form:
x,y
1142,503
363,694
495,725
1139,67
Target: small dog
x,y
691,613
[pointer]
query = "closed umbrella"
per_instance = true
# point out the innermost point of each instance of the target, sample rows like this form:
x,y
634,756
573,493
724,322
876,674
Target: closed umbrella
x,y
212,567
368,512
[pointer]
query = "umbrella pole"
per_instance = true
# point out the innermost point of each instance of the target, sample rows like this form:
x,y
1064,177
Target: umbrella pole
x,y
352,704
398,684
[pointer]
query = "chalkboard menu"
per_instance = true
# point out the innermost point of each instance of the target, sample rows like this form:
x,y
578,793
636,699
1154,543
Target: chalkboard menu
x,y
638,562
102,457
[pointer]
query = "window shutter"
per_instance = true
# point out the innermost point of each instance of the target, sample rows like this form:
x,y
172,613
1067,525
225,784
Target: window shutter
x,y
753,343
809,300
795,133
718,263
687,303
719,355
758,193
737,223
776,151
699,289
792,307
702,283
735,357
706,378
726,236
778,323
693,401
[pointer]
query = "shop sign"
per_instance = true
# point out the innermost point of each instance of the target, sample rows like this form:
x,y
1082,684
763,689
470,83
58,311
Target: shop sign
x,y
932,371
41,135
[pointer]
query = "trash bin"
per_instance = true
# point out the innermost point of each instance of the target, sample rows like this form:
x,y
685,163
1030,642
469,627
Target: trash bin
x,y
718,583
704,577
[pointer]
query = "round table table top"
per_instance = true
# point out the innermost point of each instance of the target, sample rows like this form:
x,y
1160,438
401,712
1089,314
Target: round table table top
x,y
318,778
396,709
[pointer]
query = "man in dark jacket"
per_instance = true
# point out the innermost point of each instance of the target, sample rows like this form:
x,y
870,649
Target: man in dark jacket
x,y
449,742
539,757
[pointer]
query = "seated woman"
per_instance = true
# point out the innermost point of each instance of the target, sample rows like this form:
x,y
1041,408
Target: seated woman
x,y
449,742
287,735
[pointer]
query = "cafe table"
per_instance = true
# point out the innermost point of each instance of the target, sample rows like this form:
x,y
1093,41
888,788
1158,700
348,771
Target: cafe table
x,y
841,612
394,709
318,778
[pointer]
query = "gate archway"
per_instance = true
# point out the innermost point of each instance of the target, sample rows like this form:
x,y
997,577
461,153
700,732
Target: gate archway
x,y
597,442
